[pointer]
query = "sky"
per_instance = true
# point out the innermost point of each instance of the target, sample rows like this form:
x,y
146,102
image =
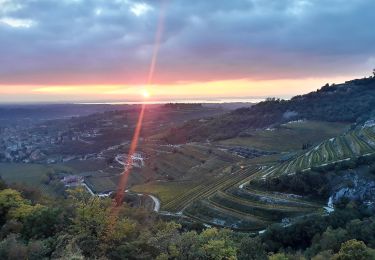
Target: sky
x,y
128,50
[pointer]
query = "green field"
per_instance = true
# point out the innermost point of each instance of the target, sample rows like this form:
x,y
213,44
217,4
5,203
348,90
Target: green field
x,y
165,191
29,174
185,162
102,183
77,166
289,137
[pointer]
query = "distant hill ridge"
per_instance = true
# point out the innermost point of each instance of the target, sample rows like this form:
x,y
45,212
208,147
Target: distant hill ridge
x,y
352,101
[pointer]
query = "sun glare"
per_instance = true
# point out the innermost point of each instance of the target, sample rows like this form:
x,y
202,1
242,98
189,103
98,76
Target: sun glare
x,y
146,93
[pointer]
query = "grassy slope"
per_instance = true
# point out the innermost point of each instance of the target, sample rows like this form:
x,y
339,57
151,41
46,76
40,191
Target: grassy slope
x,y
289,137
29,174
165,191
102,184
351,144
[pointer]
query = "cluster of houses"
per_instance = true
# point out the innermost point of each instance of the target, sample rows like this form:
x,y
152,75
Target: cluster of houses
x,y
72,181
29,145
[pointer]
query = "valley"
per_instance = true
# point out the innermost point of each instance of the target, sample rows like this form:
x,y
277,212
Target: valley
x,y
224,182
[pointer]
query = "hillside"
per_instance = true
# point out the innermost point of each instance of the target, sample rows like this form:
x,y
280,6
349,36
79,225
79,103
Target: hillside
x,y
254,197
282,171
353,144
350,102
324,144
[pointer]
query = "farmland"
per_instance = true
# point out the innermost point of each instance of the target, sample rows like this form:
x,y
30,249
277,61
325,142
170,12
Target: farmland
x,y
223,201
288,137
249,210
210,182
165,191
229,200
100,184
354,143
242,208
28,174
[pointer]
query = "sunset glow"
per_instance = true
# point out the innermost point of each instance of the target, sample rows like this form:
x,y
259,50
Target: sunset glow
x,y
190,50
241,88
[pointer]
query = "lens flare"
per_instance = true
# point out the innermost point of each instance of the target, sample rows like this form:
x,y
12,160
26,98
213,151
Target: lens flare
x,y
120,192
129,161
134,143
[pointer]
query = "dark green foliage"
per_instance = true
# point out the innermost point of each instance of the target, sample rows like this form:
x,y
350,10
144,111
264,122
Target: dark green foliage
x,y
2,184
43,223
353,101
372,169
354,249
251,249
87,231
12,248
89,245
301,234
313,183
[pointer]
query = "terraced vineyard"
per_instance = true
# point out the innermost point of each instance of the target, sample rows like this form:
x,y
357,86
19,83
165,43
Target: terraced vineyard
x,y
358,142
207,188
229,201
244,208
247,209
226,202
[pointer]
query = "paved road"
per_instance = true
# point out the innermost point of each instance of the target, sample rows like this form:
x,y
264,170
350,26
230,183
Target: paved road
x,y
156,203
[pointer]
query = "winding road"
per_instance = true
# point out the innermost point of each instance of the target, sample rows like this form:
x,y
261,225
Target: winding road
x,y
156,203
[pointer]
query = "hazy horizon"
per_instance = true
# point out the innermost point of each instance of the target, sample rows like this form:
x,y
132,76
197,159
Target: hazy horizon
x,y
88,94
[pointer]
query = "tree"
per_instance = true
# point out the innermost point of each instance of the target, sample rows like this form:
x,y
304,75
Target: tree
x,y
279,256
2,182
14,206
363,230
90,213
354,249
217,244
219,249
332,239
188,244
8,199
251,249
324,255
164,237
98,228
44,223
11,248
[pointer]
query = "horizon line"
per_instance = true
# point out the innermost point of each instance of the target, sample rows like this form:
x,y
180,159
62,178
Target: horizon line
x,y
148,102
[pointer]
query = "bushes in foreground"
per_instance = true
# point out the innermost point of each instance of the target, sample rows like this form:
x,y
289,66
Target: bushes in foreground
x,y
86,227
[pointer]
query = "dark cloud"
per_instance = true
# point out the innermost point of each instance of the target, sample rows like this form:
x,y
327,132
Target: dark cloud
x,y
111,41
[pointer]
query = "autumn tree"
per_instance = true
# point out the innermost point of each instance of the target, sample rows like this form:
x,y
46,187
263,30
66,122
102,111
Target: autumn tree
x,y
354,249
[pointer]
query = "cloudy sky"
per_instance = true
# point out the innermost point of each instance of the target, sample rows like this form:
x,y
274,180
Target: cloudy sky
x,y
77,50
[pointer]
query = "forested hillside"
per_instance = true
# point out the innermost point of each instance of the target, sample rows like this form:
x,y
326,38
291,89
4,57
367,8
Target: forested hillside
x,y
348,102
